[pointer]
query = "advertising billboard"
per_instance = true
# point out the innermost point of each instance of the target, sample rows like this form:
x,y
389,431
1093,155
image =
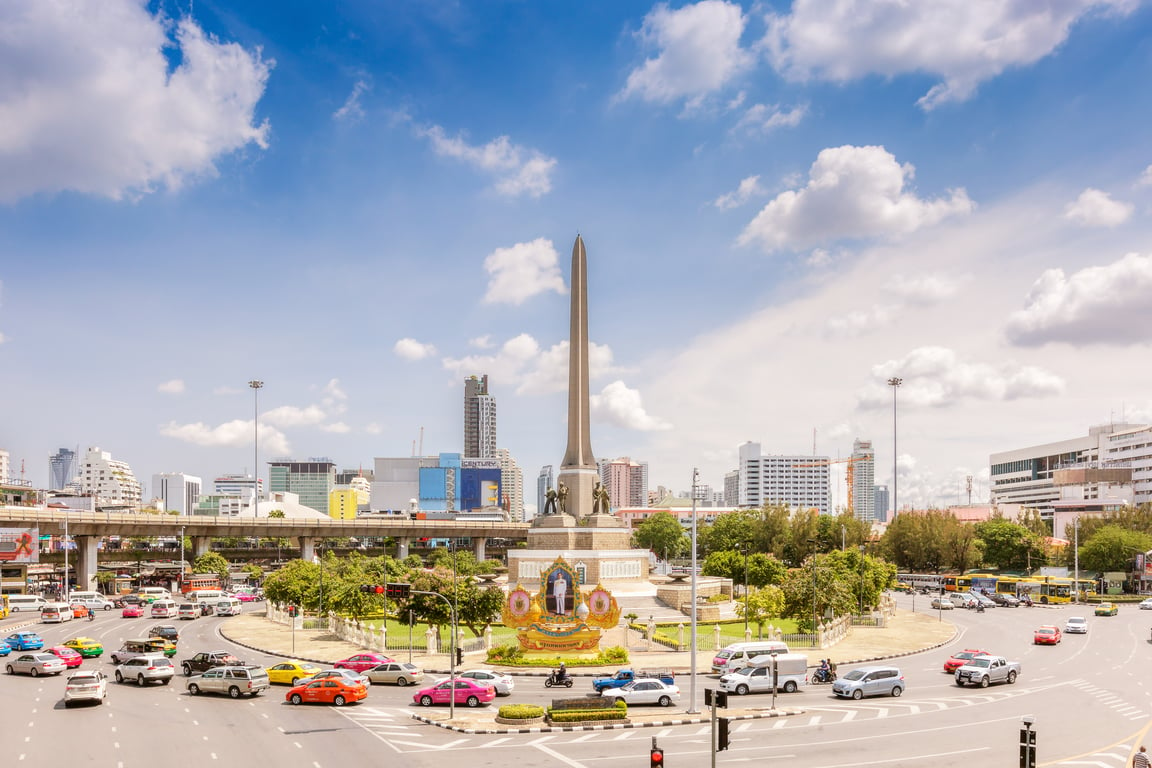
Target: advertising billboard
x,y
19,545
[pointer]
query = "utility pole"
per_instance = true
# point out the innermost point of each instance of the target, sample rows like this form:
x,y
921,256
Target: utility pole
x,y
692,692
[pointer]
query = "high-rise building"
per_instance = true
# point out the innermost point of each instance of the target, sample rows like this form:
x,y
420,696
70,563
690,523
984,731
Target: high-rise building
x,y
177,491
511,485
732,488
626,482
799,482
545,480
108,479
5,466
311,480
342,503
479,419
863,479
880,494
62,467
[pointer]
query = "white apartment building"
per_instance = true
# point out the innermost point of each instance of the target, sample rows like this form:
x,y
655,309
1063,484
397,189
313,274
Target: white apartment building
x,y
1133,447
511,484
108,479
800,482
5,466
863,464
176,491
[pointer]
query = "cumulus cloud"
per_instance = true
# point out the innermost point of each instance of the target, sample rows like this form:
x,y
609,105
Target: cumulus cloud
x,y
103,114
924,289
294,416
698,52
1097,305
171,387
749,188
336,427
481,342
351,110
229,434
1145,178
410,349
852,192
965,42
761,119
619,405
860,322
1095,208
518,273
533,370
936,377
518,170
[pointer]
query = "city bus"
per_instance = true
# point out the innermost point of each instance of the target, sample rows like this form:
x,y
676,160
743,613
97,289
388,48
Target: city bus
x,y
1052,590
198,582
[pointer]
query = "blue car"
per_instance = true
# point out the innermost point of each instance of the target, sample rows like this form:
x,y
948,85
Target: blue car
x,y
24,641
4,649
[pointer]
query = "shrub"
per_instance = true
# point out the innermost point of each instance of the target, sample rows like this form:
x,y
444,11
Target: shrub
x,y
513,656
615,655
506,654
520,711
580,715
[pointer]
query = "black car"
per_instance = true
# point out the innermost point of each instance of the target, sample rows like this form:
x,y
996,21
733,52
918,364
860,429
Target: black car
x,y
1008,601
207,660
166,631
124,600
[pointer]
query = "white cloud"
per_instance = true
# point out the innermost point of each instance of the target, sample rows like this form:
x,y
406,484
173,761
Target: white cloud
x,y
103,115
1145,177
372,428
699,52
761,119
336,427
226,390
1097,305
965,42
294,416
851,192
351,110
231,433
171,387
859,322
518,273
481,342
518,170
2,338
748,188
1095,208
937,377
619,405
521,362
410,349
924,289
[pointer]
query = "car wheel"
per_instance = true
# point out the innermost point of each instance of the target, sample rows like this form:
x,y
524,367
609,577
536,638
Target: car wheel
x,y
741,689
857,694
425,701
35,672
1011,678
473,702
187,671
401,682
234,692
897,691
119,677
107,607
194,689
790,687
665,701
67,705
294,681
296,699
959,682
10,670
984,681
140,680
338,701
165,681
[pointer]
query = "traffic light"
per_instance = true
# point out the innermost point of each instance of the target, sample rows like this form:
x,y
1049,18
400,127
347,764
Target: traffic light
x,y
656,759
399,591
459,657
719,698
723,739
291,611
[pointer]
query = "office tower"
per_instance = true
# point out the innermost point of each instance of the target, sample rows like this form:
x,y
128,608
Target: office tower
x,y
863,476
545,480
880,494
511,485
799,482
108,479
732,488
62,467
311,480
178,491
479,419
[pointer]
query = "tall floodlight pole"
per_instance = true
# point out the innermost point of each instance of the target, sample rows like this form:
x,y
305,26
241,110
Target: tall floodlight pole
x,y
1076,558
181,557
256,385
692,693
813,542
746,546
895,383
66,583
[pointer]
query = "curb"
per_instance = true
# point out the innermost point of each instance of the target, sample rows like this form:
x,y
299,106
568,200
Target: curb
x,y
608,727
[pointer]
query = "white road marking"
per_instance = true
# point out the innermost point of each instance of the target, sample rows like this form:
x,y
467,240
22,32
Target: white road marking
x,y
559,756
298,745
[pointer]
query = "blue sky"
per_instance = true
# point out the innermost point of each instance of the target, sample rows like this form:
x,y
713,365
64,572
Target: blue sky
x,y
362,203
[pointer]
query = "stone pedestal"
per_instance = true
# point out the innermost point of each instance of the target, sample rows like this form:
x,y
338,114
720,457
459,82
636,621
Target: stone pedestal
x,y
580,483
598,546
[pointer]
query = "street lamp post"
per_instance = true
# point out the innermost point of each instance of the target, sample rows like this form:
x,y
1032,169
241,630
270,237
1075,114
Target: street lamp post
x,y
256,385
895,383
1076,559
744,547
814,621
692,693
66,582
452,660
861,579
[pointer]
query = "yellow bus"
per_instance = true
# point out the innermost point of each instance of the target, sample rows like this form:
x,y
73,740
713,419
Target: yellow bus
x,y
3,606
1053,590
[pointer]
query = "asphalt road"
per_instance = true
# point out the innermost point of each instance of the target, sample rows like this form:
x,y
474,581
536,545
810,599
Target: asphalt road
x,y
1088,696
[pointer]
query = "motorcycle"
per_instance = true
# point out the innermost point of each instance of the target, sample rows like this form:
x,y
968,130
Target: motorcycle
x,y
556,679
91,615
821,676
979,607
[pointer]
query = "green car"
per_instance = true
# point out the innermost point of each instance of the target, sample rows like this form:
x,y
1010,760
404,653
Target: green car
x,y
1107,609
85,646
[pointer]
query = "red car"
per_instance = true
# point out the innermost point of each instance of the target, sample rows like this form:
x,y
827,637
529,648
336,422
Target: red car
x,y
66,655
958,660
468,692
329,690
131,611
362,661
1046,636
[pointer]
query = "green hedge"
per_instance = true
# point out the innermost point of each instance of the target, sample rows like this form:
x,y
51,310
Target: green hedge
x,y
520,711
513,656
581,715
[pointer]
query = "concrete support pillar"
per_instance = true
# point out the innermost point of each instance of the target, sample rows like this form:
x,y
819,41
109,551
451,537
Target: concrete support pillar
x,y
478,544
201,545
86,562
402,543
307,548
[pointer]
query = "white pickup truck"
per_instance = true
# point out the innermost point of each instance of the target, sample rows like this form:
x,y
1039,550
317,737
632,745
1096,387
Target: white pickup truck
x,y
984,670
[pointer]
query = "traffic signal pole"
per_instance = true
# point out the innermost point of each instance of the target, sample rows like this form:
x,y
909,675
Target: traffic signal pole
x,y
451,656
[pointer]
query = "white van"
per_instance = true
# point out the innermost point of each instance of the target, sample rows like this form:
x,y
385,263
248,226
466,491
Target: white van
x,y
791,673
26,603
205,595
227,606
163,609
154,593
91,600
55,613
740,655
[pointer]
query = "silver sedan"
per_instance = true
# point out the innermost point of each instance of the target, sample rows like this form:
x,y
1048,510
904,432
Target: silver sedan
x,y
942,603
35,664
502,683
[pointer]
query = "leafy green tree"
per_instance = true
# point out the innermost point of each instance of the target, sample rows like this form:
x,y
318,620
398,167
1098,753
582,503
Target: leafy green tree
x,y
1008,545
293,583
1111,548
772,532
728,531
762,605
276,513
413,561
762,569
253,572
1031,519
212,562
476,606
827,589
663,534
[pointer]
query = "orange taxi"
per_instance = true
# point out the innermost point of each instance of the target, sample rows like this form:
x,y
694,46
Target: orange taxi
x,y
328,690
79,611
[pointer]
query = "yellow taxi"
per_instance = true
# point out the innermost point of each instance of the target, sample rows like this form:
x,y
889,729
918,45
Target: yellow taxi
x,y
1107,609
291,671
85,646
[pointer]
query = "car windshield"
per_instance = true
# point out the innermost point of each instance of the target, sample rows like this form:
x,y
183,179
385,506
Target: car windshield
x,y
723,655
1075,620
979,663
855,674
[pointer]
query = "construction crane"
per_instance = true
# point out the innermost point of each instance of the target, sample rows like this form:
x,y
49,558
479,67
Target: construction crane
x,y
850,474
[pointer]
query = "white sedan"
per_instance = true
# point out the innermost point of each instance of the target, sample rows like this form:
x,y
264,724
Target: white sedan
x,y
1146,605
645,692
1076,625
86,685
502,683
942,603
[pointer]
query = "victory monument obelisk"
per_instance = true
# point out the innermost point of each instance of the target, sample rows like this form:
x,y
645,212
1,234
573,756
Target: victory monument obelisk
x,y
597,546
